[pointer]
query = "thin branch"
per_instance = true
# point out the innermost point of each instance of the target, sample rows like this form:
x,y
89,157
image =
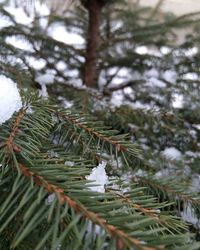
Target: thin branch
x,y
166,189
122,86
10,141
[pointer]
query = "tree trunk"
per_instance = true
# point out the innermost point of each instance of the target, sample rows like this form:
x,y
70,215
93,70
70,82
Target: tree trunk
x,y
94,8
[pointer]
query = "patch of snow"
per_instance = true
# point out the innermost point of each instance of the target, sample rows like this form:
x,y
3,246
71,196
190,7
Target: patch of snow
x,y
19,43
26,13
165,50
59,33
61,65
66,103
19,15
142,50
41,8
165,172
99,178
4,22
152,73
140,105
172,153
128,91
154,82
69,163
188,215
10,99
117,99
170,76
71,73
177,101
195,183
191,154
191,51
46,78
92,228
43,92
50,199
37,64
191,76
43,80
29,110
197,126
141,173
52,154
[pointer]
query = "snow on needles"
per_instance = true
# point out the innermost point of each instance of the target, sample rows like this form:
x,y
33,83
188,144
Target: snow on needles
x,y
10,100
99,178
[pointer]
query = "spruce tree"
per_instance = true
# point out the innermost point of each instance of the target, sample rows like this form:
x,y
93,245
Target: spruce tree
x,y
53,149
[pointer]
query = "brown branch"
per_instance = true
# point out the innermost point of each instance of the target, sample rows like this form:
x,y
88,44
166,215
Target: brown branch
x,y
10,141
121,86
121,236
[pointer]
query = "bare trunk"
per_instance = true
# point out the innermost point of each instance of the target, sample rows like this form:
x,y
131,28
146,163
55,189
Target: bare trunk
x,y
94,8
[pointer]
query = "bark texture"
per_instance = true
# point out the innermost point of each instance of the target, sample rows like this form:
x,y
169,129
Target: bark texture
x,y
94,8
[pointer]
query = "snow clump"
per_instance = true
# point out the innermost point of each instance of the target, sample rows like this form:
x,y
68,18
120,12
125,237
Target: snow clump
x,y
172,153
99,178
10,100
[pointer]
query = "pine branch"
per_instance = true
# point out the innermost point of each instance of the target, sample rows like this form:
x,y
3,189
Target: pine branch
x,y
80,209
171,191
37,175
98,132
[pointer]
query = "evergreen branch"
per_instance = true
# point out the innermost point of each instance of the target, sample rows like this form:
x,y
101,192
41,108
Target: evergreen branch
x,y
69,185
169,191
169,223
108,136
63,198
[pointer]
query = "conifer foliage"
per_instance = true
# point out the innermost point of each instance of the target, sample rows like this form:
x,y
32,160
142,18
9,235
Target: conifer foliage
x,y
76,172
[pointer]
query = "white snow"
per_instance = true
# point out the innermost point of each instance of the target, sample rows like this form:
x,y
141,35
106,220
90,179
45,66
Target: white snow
x,y
61,65
142,50
116,99
4,22
43,92
191,51
19,15
50,199
37,64
69,163
59,33
172,153
165,50
20,43
170,76
191,76
188,215
46,78
154,82
10,100
197,126
195,183
99,178
177,101
66,103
